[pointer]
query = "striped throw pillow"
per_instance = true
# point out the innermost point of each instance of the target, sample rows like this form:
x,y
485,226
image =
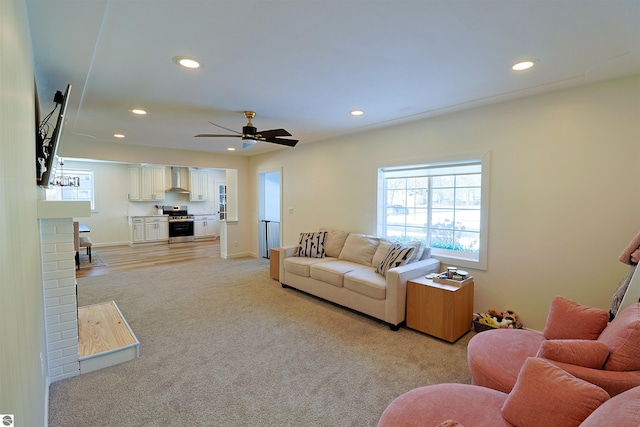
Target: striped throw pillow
x,y
311,245
397,255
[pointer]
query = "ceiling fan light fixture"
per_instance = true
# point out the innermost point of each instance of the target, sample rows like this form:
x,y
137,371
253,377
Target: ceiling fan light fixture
x,y
186,62
524,65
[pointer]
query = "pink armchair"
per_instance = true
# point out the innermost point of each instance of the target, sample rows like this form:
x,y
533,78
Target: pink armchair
x,y
576,338
544,395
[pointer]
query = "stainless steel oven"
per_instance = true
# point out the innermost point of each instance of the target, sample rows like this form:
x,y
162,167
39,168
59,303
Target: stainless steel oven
x,y
180,224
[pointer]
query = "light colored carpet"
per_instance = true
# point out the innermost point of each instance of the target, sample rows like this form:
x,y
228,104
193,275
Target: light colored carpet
x,y
222,344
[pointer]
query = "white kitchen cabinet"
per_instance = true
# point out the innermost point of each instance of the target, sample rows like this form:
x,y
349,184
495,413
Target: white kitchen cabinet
x,y
205,226
146,183
200,185
152,183
145,229
134,183
156,228
137,230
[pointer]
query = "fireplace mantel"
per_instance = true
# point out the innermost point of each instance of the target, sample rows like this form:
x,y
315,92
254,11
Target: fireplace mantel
x,y
63,209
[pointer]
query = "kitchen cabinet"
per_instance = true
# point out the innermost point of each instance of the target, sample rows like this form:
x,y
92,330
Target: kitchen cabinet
x,y
145,229
137,230
146,183
156,228
134,183
205,226
201,185
152,183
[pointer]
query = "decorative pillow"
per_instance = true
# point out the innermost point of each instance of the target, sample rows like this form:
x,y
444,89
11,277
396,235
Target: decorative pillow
x,y
569,320
359,248
312,244
381,251
396,256
335,241
417,254
587,353
545,395
622,336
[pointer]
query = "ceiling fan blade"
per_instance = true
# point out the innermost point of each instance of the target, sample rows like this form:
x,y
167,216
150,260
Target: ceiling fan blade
x,y
222,127
273,133
281,141
213,135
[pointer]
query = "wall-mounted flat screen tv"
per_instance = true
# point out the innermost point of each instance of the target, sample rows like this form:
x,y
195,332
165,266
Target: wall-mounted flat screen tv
x,y
48,139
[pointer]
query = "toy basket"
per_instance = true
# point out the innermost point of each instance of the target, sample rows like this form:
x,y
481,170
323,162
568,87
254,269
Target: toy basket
x,y
481,327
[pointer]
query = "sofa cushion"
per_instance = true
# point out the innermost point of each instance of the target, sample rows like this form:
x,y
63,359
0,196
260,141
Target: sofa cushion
x,y
367,282
587,353
567,400
300,266
397,255
332,272
334,242
311,244
381,251
359,248
570,320
622,336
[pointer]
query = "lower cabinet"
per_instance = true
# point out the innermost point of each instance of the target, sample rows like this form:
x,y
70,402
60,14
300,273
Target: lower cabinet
x,y
137,230
205,226
149,229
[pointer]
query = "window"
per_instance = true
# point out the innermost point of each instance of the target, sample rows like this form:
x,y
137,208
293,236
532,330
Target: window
x,y
444,204
82,192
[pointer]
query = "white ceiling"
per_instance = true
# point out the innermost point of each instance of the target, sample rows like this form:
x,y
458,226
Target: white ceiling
x,y
303,65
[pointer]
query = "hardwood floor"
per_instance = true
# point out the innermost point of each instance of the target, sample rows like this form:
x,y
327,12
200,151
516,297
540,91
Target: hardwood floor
x,y
127,258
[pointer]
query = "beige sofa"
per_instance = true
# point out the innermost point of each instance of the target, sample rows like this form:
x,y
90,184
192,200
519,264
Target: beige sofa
x,y
349,271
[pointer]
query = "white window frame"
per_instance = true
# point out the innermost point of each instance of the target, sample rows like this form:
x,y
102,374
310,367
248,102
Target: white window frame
x,y
460,259
64,193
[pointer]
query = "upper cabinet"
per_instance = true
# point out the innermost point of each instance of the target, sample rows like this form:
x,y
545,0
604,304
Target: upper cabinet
x,y
134,183
201,185
146,183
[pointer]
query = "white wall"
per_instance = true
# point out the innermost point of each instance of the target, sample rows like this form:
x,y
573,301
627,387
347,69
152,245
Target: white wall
x,y
23,385
563,201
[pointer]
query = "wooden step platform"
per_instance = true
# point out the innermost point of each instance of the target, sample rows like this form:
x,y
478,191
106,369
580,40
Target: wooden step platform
x,y
104,337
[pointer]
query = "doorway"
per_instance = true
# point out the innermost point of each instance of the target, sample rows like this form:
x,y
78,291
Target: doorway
x,y
269,210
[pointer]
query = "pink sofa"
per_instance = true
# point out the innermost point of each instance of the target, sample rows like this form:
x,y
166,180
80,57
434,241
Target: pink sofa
x,y
576,338
544,395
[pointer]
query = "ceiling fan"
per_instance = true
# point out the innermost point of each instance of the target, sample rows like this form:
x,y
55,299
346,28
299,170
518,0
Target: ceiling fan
x,y
250,135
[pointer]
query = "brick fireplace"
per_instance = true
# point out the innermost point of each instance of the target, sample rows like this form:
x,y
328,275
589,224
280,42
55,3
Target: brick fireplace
x,y
59,283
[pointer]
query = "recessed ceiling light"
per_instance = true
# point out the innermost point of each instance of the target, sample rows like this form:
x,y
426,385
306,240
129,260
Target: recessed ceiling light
x,y
138,111
231,149
357,112
524,65
185,62
118,135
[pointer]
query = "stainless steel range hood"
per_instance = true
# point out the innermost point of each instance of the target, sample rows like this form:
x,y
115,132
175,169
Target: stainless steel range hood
x,y
175,182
